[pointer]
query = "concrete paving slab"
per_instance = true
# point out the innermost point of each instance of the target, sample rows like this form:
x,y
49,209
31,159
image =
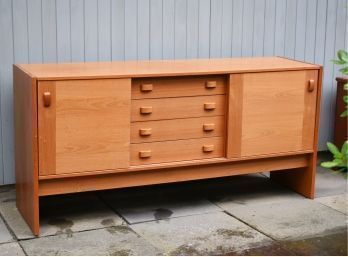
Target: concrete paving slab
x,y
337,202
11,249
15,221
157,207
292,219
77,212
329,245
206,234
274,249
62,214
118,240
329,182
5,235
253,190
7,193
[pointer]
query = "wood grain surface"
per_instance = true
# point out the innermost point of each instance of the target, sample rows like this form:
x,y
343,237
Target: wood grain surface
x,y
177,108
278,112
178,150
168,175
163,130
26,148
87,126
161,68
178,86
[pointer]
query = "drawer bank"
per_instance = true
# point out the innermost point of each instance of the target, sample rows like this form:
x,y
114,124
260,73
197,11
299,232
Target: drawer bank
x,y
94,126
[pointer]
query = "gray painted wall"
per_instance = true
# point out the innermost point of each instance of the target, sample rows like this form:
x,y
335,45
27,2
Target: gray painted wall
x,y
36,31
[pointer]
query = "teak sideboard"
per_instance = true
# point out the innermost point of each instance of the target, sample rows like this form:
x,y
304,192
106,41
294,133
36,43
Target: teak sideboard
x,y
94,126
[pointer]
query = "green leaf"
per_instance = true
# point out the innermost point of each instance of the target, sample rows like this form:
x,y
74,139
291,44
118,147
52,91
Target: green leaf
x,y
328,165
344,149
338,62
334,150
342,55
344,114
339,162
345,86
345,99
344,70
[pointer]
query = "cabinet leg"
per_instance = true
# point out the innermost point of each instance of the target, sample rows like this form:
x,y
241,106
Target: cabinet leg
x,y
28,206
301,180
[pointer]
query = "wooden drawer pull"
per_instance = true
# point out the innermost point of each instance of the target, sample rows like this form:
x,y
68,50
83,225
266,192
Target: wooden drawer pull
x,y
146,110
311,85
208,148
47,99
209,106
145,132
208,127
145,154
146,87
210,84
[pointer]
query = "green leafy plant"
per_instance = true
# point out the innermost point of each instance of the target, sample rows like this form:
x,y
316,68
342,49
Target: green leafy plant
x,y
340,157
342,60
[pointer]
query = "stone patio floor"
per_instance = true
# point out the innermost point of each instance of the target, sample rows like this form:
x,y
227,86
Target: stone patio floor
x,y
242,215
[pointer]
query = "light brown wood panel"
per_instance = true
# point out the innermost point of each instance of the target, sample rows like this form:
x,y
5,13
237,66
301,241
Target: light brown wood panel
x,y
178,86
156,68
302,180
47,129
234,116
178,150
310,106
174,164
175,108
162,130
168,175
26,148
86,127
278,112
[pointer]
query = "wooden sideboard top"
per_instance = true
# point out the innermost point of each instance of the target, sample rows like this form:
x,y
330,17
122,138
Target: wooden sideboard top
x,y
119,69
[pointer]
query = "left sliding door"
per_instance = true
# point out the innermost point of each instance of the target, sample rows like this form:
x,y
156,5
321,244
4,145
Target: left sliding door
x,y
84,125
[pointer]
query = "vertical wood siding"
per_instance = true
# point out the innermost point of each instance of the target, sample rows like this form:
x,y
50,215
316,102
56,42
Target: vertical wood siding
x,y
34,31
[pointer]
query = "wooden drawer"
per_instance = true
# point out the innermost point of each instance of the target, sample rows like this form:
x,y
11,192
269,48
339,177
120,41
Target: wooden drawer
x,y
178,86
150,131
176,108
178,150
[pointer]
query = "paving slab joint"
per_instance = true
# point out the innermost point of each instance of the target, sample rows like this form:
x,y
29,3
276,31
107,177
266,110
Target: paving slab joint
x,y
111,208
12,233
247,224
8,227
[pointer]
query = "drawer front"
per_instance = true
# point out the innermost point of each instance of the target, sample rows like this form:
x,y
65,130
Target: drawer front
x,y
176,108
179,150
150,131
179,86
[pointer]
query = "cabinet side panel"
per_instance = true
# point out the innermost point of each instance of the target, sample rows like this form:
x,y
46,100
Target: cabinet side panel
x,y
26,148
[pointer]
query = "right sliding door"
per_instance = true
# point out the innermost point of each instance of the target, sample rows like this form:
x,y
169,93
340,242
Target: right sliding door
x,y
271,112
